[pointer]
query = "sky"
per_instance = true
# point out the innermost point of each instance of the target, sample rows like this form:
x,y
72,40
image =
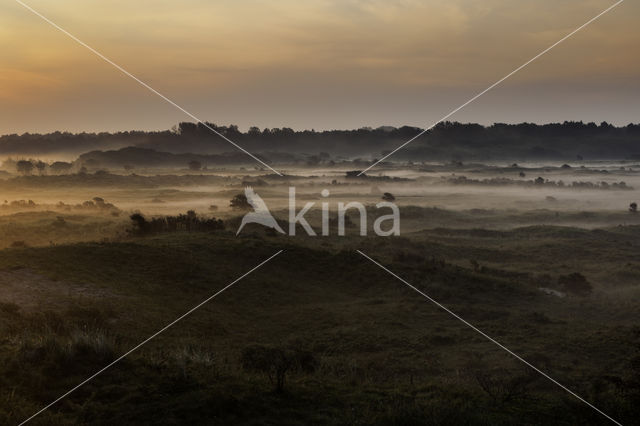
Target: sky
x,y
314,64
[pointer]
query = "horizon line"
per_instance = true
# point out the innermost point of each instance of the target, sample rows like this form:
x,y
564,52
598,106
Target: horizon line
x,y
313,130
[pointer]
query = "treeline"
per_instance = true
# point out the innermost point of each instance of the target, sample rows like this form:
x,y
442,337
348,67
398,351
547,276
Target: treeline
x,y
96,204
446,141
537,182
189,222
35,166
528,141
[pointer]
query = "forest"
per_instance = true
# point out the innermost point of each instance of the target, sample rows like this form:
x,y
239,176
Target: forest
x,y
446,141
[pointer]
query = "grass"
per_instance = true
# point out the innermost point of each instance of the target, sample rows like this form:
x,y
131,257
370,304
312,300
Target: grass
x,y
41,228
385,355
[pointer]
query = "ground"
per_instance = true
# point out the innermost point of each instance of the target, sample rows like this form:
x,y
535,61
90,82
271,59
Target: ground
x,y
382,354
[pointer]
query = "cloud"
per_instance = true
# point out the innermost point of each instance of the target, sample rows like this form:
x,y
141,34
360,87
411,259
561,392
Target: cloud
x,y
199,50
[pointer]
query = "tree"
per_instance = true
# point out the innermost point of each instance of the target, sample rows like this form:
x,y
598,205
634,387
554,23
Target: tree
x,y
633,207
195,165
354,173
25,167
41,166
239,202
141,224
387,196
60,167
575,283
189,222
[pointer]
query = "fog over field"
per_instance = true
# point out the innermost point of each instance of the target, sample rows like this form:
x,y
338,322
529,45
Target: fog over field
x,y
99,249
372,213
592,188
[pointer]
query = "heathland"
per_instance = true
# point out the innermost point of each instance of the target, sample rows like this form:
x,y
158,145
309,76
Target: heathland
x,y
541,256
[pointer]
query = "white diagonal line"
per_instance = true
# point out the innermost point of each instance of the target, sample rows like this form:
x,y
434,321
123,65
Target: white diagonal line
x,y
492,86
172,323
491,339
127,73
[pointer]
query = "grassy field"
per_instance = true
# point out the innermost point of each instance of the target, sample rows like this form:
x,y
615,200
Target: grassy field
x,y
350,343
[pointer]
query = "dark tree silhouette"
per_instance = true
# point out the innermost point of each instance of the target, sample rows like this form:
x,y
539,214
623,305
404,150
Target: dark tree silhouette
x,y
239,202
24,166
140,223
633,207
195,165
277,362
387,196
60,167
354,174
41,166
189,222
445,141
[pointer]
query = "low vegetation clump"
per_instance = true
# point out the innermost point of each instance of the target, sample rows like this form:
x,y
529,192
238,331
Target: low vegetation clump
x,y
239,202
575,283
189,222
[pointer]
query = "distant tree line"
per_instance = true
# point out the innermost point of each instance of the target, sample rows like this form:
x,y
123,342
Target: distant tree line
x,y
96,204
35,166
446,141
538,182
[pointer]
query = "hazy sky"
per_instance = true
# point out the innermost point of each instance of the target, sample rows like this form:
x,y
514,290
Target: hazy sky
x,y
314,64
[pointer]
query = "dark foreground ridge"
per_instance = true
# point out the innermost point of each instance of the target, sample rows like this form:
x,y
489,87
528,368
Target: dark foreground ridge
x,y
327,341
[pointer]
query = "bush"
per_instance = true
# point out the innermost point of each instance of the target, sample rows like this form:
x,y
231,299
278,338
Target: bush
x,y
189,222
277,362
575,283
387,196
239,202
61,356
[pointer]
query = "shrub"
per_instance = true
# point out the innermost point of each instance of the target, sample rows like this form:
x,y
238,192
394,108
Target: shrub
x,y
59,355
575,283
239,202
277,362
387,196
189,222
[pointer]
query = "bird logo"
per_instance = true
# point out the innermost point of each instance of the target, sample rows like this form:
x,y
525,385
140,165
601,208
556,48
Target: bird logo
x,y
260,213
